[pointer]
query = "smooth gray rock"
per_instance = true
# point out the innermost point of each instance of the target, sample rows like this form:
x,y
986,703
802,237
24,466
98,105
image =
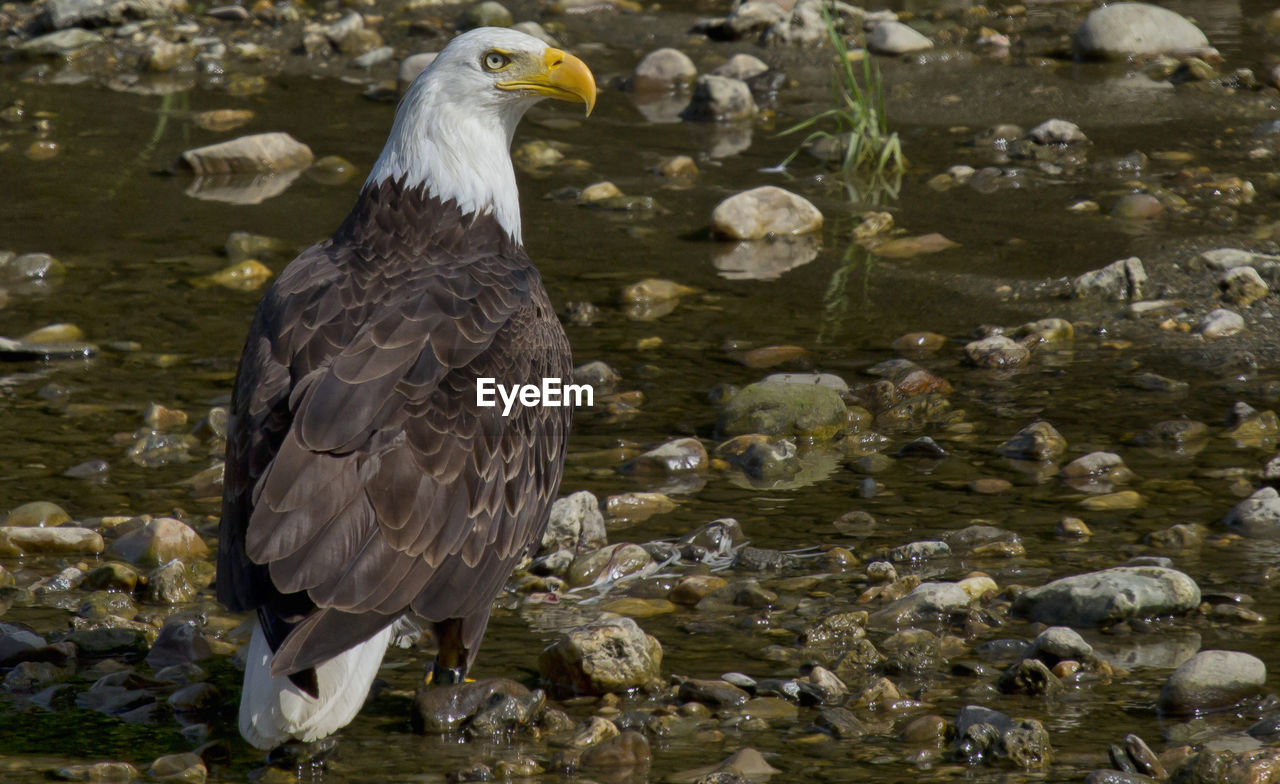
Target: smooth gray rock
x,y
1212,680
1057,132
997,352
763,212
1221,323
1038,441
663,69
720,99
896,38
1061,642
1256,516
1121,29
1110,596
60,43
411,66
1118,280
741,66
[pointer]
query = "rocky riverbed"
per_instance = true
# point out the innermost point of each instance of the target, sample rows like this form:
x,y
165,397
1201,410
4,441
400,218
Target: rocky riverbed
x,y
967,474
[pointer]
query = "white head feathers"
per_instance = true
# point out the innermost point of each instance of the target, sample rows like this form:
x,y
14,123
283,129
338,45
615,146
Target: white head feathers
x,y
454,127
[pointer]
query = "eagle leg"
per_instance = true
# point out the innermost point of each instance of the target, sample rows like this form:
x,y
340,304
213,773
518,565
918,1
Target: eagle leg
x,y
450,666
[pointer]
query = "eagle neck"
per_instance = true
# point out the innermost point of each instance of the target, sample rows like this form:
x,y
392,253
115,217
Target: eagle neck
x,y
457,150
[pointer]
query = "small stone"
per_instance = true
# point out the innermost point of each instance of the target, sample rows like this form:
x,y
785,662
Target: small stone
x,y
805,411
1242,286
486,14
925,730
997,351
255,154
1212,680
637,507
1073,527
65,540
186,767
741,66
607,564
1136,206
674,457
695,587
720,99
1119,280
630,749
179,642
663,69
61,42
332,170
744,765
1057,132
1256,516
896,38
599,192
916,343
159,541
678,166
764,211
1030,676
410,67
1060,642
38,514
1038,442
608,655
1221,323
575,524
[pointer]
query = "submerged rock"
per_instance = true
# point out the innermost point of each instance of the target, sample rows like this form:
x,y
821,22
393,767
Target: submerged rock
x,y
1038,441
1110,596
608,655
442,709
1258,515
780,409
996,351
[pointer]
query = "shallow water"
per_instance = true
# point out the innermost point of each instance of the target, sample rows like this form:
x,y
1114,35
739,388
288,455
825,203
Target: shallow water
x,y
133,239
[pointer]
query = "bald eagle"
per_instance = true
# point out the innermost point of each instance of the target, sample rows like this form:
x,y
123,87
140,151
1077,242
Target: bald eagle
x,y
363,481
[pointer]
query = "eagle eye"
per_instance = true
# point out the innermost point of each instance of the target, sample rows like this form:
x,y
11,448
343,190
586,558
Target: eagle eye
x,y
495,61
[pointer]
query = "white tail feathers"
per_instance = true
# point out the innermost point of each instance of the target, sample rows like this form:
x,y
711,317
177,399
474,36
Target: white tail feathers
x,y
274,711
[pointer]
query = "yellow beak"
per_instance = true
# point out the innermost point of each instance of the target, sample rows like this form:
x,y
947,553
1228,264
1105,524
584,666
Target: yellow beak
x,y
562,76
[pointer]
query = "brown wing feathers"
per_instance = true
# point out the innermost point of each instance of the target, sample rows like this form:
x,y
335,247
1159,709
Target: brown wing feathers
x,y
362,480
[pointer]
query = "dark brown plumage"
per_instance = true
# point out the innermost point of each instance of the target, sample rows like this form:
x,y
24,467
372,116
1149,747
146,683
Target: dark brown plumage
x,y
362,480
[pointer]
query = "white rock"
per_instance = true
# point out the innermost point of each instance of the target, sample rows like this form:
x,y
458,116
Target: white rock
x,y
411,66
1109,596
254,154
763,211
720,99
1221,323
663,69
741,66
896,38
1057,132
1257,515
1121,29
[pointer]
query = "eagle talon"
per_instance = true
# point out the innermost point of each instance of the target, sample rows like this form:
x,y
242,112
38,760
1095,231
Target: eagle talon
x,y
446,676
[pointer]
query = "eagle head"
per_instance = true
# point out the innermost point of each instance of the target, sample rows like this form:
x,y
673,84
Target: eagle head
x,y
453,129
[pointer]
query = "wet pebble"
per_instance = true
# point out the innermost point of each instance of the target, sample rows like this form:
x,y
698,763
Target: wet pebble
x,y
1109,596
663,69
1212,680
674,457
720,99
37,514
996,351
159,541
575,523
1039,441
1136,206
255,154
609,655
896,38
806,411
66,540
1242,286
1258,515
1119,280
1221,323
767,210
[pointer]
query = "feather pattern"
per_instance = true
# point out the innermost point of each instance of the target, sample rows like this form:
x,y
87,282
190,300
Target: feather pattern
x,y
362,479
